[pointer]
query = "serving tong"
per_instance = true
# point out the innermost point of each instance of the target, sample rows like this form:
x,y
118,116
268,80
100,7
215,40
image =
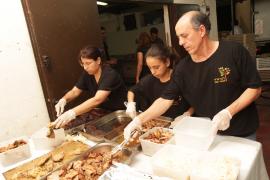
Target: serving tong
x,y
120,146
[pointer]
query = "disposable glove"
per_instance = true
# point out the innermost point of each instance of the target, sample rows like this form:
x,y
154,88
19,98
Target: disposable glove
x,y
178,119
59,107
131,109
65,118
133,125
222,120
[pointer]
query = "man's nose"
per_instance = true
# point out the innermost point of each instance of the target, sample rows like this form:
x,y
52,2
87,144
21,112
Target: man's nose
x,y
181,42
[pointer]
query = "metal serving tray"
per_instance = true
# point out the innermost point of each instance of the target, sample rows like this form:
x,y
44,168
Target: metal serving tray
x,y
104,128
110,127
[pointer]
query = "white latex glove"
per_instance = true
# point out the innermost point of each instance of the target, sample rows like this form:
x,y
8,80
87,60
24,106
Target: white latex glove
x,y
65,118
222,120
131,109
178,119
133,125
59,107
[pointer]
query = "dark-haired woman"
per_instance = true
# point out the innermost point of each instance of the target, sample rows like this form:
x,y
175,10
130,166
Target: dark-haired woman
x,y
144,44
159,60
105,86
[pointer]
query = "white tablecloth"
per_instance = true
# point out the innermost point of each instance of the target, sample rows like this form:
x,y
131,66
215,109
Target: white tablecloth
x,y
247,151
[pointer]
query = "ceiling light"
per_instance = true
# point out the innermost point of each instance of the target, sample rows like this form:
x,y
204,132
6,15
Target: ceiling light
x,y
102,3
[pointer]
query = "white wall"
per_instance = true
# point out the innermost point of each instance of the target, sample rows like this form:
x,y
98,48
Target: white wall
x,y
22,106
121,42
262,7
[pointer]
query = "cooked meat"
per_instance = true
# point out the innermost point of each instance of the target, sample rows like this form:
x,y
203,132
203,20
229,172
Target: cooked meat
x,y
14,145
153,123
44,160
58,157
159,136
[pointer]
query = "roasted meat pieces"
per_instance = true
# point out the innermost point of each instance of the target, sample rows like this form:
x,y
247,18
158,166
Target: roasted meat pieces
x,y
13,145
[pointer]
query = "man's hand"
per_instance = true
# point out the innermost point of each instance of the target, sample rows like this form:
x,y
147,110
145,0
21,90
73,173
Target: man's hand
x,y
65,118
59,107
131,109
133,125
178,119
222,120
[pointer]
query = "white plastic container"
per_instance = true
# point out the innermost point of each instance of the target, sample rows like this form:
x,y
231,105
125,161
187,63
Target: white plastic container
x,y
42,142
149,147
15,155
188,164
174,162
194,133
215,166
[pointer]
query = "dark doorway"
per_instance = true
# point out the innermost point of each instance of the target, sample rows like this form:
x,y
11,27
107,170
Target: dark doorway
x,y
58,30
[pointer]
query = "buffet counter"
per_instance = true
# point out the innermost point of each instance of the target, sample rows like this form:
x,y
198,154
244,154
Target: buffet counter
x,y
247,151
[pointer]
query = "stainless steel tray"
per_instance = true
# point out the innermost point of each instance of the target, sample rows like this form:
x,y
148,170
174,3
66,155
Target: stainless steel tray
x,y
105,128
110,127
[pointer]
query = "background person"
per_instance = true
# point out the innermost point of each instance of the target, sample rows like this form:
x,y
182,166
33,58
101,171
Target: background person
x,y
150,87
218,79
104,85
154,36
144,43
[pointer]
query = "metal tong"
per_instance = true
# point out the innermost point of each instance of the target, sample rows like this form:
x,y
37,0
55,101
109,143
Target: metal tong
x,y
120,146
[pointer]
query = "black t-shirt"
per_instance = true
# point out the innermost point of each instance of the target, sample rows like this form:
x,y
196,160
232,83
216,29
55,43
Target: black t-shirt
x,y
158,41
150,88
145,69
212,85
109,80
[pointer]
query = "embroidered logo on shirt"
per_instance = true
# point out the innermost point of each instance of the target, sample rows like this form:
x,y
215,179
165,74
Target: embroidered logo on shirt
x,y
224,72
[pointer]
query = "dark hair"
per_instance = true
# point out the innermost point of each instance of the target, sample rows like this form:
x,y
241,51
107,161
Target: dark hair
x,y
102,28
154,30
90,52
144,39
200,18
162,53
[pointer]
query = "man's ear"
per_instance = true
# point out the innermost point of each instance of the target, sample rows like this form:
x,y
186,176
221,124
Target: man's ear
x,y
168,62
202,30
99,60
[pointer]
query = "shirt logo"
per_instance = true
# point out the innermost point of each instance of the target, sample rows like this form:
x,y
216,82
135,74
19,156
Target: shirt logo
x,y
224,72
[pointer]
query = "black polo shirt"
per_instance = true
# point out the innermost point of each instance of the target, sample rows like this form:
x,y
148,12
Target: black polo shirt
x,y
150,88
109,80
212,85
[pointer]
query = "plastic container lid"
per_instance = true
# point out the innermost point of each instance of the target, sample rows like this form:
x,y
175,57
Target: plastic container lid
x,y
193,132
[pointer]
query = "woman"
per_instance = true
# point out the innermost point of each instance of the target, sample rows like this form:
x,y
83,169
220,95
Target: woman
x,y
105,86
144,45
150,87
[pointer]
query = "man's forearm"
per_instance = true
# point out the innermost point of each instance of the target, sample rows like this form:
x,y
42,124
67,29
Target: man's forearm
x,y
246,98
159,107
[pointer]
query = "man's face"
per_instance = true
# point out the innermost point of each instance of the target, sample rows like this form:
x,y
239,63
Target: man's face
x,y
189,37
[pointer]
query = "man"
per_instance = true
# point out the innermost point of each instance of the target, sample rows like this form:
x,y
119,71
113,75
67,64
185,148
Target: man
x,y
154,36
218,79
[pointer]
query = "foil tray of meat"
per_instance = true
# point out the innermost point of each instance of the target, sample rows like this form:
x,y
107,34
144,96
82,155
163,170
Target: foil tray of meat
x,y
90,116
47,163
